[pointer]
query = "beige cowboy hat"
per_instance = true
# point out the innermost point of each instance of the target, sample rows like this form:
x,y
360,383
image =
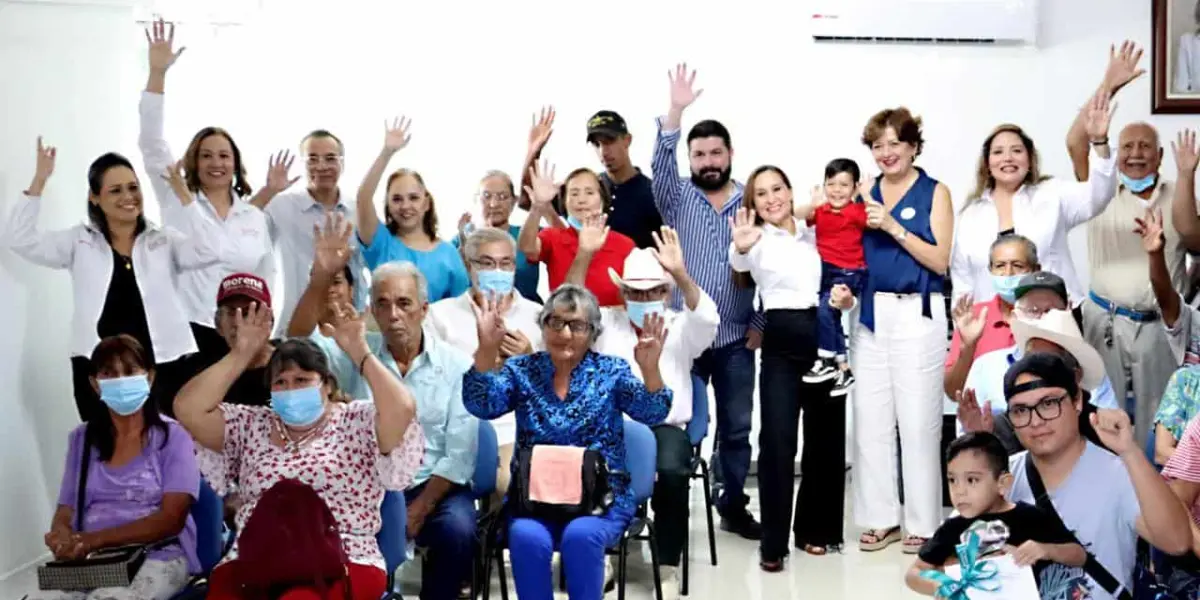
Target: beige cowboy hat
x,y
1059,327
642,272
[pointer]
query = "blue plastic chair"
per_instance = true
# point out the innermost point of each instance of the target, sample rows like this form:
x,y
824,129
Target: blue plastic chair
x,y
697,430
208,511
641,463
393,537
487,462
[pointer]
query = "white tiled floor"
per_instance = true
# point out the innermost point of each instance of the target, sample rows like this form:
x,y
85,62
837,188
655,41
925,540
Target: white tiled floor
x,y
852,575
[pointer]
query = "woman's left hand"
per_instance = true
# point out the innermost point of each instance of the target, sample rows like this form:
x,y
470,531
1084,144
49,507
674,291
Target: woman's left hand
x,y
348,330
1099,117
650,343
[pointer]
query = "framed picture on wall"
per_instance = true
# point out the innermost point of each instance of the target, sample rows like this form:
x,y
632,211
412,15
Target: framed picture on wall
x,y
1175,79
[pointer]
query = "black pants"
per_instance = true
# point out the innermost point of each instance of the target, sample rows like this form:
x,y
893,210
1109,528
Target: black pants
x,y
670,499
168,379
789,349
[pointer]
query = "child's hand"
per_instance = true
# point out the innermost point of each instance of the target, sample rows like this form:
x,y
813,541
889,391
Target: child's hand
x,y
818,195
1028,553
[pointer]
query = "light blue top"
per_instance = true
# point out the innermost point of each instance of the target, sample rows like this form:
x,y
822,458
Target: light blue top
x,y
435,380
443,266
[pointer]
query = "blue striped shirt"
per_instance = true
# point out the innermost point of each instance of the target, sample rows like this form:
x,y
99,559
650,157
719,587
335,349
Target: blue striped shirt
x,y
705,237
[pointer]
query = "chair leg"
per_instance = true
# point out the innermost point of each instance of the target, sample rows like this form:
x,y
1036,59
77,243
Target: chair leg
x,y
623,551
708,505
486,578
687,557
562,573
503,576
653,541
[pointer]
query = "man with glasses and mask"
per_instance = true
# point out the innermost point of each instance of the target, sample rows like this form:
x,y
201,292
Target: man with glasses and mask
x,y
497,199
1108,500
292,216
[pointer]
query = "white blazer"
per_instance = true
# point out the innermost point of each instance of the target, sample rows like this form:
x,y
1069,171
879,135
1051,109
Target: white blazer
x,y
245,240
158,253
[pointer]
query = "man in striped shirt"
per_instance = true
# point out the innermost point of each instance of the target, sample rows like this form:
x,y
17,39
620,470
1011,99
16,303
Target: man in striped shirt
x,y
699,209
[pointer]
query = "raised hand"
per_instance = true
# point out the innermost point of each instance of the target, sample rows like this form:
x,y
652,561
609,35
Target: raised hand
x,y
1114,429
540,129
541,189
745,232
1150,227
396,134
489,323
44,168
1186,154
972,416
332,245
650,342
593,234
463,221
1122,66
817,196
175,178
348,329
668,251
161,38
252,329
968,324
277,171
1099,118
683,81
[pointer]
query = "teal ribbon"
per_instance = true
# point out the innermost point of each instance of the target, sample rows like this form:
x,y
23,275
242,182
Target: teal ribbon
x,y
976,574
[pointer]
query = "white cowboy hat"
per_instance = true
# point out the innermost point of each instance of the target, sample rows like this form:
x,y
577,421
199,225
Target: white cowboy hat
x,y
1059,327
642,272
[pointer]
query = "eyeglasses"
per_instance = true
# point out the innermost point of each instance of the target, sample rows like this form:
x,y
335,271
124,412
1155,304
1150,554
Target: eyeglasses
x,y
328,159
557,324
486,197
487,264
1031,313
1047,409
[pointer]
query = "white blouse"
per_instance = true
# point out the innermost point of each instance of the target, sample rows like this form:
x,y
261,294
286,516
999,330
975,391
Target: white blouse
x,y
1043,212
786,268
158,254
245,240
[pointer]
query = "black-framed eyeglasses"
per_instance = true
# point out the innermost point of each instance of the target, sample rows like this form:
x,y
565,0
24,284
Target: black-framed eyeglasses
x,y
1047,409
576,326
487,264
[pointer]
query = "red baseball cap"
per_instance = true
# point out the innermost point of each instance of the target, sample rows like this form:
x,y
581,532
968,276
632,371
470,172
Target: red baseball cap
x,y
245,285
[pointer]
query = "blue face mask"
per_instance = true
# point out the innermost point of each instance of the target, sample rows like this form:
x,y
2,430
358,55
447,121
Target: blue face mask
x,y
125,395
1138,186
300,407
639,310
495,281
1006,287
576,223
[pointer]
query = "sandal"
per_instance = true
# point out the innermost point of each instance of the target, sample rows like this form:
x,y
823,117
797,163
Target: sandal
x,y
873,540
912,544
816,550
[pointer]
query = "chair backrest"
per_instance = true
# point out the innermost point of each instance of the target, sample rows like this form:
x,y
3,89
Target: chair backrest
x,y
641,459
487,461
393,533
209,514
697,428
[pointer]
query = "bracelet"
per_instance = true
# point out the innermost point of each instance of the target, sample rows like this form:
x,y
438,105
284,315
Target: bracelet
x,y
1103,142
363,363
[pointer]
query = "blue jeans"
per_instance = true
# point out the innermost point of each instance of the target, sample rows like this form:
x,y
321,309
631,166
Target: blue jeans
x,y
831,340
731,369
581,542
449,536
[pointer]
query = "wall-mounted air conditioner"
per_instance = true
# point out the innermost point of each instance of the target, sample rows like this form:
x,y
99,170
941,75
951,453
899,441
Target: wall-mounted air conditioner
x,y
926,21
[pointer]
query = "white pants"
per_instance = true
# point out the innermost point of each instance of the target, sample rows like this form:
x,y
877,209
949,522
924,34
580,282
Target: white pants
x,y
156,580
899,369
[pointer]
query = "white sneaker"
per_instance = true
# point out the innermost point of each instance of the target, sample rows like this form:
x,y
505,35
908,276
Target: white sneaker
x,y
670,578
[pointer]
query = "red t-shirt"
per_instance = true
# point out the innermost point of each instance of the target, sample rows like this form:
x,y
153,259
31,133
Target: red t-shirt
x,y
561,244
839,234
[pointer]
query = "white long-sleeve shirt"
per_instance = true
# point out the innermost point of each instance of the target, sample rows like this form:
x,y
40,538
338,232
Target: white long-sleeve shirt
x,y
690,333
786,267
1043,212
245,240
158,254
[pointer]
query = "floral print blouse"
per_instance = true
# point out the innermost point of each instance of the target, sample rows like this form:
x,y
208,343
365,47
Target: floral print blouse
x,y
1180,401
342,463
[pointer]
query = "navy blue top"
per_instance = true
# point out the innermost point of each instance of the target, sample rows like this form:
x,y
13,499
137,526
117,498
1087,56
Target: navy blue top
x,y
602,387
890,268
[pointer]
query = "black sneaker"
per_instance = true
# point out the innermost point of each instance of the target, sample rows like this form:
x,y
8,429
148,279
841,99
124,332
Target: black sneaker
x,y
845,381
742,524
821,371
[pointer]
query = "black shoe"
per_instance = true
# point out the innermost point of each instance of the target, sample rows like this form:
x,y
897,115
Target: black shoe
x,y
822,370
845,381
742,524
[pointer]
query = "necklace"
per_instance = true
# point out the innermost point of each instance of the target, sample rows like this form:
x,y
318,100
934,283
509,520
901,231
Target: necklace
x,y
295,444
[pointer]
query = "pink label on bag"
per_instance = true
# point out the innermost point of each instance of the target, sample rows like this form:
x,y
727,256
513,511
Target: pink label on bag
x,y
556,475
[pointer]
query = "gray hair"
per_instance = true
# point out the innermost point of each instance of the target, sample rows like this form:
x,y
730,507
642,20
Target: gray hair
x,y
502,175
1031,253
400,268
483,236
572,297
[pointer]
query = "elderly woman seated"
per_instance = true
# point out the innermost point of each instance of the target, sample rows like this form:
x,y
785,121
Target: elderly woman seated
x,y
130,478
568,396
349,453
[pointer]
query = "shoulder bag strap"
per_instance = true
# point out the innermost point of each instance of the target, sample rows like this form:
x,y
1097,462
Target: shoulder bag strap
x,y
1092,567
85,459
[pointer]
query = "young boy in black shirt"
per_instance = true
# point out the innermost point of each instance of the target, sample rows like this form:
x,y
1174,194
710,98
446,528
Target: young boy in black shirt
x,y
977,467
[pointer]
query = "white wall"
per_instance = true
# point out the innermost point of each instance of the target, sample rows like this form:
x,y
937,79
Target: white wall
x,y
470,77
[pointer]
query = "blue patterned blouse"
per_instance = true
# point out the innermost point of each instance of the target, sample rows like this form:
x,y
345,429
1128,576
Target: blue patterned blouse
x,y
602,387
1180,400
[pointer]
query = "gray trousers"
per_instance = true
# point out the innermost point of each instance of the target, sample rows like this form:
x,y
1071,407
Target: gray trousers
x,y
1139,353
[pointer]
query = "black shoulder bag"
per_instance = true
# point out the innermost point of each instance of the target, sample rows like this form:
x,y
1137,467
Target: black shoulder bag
x,y
1092,567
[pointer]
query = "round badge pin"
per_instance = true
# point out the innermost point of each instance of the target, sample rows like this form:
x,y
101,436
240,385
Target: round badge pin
x,y
908,213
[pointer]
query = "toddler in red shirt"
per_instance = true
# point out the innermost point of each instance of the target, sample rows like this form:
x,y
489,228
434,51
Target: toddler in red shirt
x,y
840,217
